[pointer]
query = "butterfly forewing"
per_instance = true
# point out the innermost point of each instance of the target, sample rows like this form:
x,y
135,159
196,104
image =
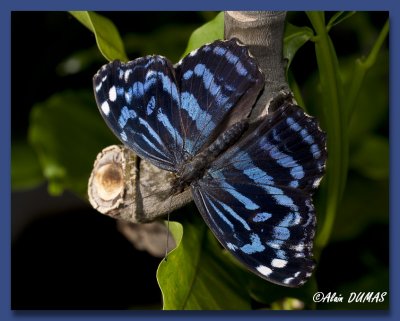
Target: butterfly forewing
x,y
139,100
256,196
219,83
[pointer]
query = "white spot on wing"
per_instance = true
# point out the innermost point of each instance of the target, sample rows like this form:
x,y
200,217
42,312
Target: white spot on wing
x,y
112,94
278,263
126,75
105,108
288,280
231,246
98,87
264,270
298,248
316,182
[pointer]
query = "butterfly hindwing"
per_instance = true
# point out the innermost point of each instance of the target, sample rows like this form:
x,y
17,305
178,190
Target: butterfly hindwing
x,y
268,241
288,145
256,196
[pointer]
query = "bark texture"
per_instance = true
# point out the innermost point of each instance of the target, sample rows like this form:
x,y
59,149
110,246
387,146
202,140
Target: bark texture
x,y
262,32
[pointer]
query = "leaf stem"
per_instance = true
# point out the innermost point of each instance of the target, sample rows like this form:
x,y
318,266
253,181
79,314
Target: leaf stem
x,y
331,88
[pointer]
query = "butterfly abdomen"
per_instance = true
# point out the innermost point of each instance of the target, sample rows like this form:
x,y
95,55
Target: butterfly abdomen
x,y
227,139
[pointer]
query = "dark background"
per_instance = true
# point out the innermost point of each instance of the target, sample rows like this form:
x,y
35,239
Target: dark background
x,y
65,255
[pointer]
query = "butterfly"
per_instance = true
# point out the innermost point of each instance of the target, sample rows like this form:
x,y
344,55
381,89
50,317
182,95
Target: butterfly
x,y
252,180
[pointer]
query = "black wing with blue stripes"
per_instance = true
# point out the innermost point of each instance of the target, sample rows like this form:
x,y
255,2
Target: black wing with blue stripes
x,y
219,83
166,114
255,189
139,101
257,196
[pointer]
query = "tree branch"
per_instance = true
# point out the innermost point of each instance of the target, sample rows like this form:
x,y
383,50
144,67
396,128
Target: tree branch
x,y
125,187
262,32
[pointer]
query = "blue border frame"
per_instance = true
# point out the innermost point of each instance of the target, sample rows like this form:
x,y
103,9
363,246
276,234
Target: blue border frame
x,y
5,218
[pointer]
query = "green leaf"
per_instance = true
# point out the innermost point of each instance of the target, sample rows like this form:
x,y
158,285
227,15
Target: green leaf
x,y
159,41
338,18
196,275
208,32
371,158
361,67
371,105
25,168
107,37
294,38
67,132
